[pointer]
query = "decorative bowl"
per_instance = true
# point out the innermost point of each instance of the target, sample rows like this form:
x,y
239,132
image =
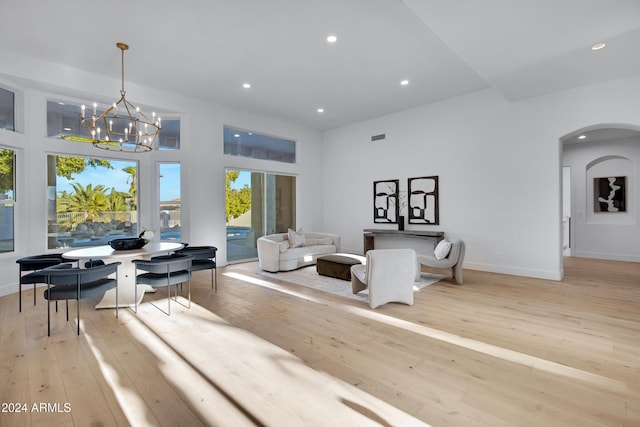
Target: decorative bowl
x,y
128,243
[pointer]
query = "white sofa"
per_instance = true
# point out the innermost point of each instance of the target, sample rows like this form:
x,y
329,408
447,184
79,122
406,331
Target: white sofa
x,y
275,253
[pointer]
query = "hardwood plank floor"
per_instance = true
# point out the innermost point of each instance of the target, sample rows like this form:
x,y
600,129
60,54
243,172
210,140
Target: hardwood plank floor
x,y
498,351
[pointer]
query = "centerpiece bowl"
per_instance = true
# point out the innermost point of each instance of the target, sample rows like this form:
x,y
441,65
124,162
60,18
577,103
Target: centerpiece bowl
x,y
128,243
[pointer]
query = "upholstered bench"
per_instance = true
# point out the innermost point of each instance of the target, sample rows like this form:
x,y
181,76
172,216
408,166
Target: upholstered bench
x,y
338,265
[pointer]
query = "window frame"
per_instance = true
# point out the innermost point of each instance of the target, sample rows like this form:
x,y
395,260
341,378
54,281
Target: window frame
x,y
12,201
159,192
52,227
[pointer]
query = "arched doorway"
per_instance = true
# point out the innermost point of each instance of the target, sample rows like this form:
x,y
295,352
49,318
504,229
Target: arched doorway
x,y
589,154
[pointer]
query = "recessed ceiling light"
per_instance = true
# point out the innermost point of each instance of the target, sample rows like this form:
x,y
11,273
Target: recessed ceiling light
x,y
320,110
332,39
246,85
66,129
404,82
582,137
598,46
237,135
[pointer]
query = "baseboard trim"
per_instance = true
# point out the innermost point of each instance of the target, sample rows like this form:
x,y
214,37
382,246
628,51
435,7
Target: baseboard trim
x,y
516,271
607,256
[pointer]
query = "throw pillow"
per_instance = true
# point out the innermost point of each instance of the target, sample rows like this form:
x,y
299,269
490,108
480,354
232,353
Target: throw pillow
x,y
442,249
296,238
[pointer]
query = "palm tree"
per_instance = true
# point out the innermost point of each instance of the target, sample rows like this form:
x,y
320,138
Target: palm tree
x,y
88,200
133,180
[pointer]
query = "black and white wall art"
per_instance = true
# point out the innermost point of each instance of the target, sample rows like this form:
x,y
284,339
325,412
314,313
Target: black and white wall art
x,y
385,201
423,200
609,194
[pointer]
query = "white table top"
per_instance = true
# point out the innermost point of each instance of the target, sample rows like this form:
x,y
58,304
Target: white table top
x,y
106,251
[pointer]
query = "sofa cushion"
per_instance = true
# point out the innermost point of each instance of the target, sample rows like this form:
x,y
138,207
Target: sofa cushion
x,y
296,253
312,241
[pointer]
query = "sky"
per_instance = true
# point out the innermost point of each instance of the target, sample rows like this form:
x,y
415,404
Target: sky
x,y
117,178
243,179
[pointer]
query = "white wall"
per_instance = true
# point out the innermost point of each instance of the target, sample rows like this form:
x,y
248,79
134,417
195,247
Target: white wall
x,y
499,167
201,156
498,163
604,235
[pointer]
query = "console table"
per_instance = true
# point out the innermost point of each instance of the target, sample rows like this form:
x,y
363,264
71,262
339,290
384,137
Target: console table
x,y
370,234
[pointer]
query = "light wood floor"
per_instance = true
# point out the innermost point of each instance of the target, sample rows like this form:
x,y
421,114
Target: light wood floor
x,y
498,351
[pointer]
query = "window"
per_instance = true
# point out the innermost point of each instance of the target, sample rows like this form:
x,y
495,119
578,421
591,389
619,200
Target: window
x,y
257,146
64,122
7,202
170,206
7,110
90,200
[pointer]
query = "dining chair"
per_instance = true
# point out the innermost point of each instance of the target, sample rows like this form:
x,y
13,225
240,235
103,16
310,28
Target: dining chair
x,y
65,282
164,271
204,258
33,264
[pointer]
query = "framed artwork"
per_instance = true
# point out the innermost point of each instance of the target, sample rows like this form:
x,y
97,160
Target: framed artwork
x,y
609,194
385,201
423,200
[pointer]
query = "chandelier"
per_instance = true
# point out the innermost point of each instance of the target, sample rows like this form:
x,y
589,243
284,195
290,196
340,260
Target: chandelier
x,y
122,126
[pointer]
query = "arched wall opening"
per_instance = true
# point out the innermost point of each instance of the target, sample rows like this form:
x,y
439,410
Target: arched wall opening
x,y
600,164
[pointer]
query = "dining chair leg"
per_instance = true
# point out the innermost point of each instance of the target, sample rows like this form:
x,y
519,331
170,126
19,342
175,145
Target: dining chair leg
x,y
189,291
19,292
48,310
48,318
135,293
117,294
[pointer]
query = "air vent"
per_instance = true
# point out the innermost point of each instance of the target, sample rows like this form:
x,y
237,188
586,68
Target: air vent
x,y
380,137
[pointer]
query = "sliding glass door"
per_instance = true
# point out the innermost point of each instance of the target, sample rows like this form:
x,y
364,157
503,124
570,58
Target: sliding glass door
x,y
258,203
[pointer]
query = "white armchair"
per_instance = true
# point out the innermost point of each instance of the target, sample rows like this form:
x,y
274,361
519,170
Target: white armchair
x,y
452,261
389,274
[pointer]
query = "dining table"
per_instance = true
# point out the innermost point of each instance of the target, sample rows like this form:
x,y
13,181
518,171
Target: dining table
x,y
126,270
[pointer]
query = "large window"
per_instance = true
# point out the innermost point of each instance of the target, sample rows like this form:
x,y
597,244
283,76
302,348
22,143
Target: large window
x,y
7,194
170,205
7,109
257,146
90,200
258,203
63,122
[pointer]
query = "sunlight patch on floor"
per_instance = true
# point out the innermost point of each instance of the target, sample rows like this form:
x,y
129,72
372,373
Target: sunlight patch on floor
x,y
479,346
131,403
233,377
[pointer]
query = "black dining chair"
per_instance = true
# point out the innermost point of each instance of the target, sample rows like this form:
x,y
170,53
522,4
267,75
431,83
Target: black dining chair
x,y
164,271
33,264
68,283
204,258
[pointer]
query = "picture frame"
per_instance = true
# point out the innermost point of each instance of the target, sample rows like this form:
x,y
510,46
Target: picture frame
x,y
610,194
385,201
422,203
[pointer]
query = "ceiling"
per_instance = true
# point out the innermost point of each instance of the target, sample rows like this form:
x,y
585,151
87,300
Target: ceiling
x,y
208,48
